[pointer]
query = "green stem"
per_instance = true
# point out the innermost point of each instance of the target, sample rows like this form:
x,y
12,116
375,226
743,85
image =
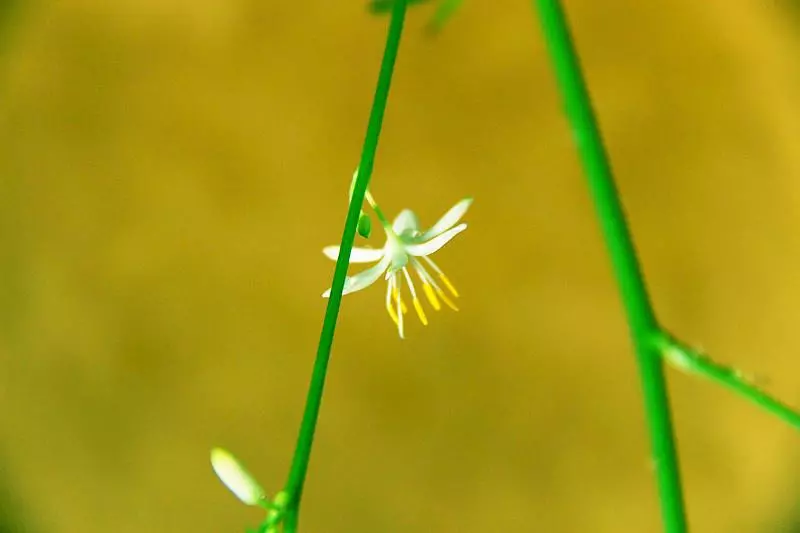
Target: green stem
x,y
693,361
641,319
302,453
378,212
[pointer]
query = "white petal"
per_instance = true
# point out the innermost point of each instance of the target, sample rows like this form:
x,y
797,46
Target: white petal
x,y
427,248
449,219
358,255
405,221
363,279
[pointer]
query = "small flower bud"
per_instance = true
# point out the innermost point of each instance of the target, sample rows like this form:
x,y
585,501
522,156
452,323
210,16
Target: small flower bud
x,y
233,475
364,225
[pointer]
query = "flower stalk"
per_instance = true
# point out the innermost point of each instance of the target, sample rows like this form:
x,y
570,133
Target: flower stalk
x,y
641,319
302,455
692,361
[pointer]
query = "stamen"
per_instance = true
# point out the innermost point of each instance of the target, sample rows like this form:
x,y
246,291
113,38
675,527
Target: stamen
x,y
389,308
447,300
420,312
400,305
429,279
426,286
431,295
449,285
397,297
414,299
441,275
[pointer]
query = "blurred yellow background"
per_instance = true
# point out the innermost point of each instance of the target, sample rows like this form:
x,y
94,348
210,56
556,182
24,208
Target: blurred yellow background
x,y
170,171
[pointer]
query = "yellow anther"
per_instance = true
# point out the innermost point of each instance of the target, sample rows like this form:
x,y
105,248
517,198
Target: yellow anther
x,y
449,285
447,300
396,297
431,295
392,313
420,312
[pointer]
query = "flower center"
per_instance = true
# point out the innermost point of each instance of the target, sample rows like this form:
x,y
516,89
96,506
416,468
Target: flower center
x,y
396,251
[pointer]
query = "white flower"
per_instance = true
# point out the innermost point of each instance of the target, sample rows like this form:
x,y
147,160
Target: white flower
x,y
407,246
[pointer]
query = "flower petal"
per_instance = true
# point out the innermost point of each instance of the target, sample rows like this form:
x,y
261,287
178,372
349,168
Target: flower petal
x,y
427,248
363,279
405,222
449,220
358,255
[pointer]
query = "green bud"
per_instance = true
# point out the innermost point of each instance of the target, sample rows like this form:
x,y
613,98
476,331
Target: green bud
x,y
281,500
275,511
364,225
234,476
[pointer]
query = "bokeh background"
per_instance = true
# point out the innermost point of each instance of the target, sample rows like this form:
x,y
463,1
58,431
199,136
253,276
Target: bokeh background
x,y
171,169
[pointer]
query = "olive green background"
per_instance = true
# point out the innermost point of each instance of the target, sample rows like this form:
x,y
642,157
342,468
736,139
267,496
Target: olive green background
x,y
170,171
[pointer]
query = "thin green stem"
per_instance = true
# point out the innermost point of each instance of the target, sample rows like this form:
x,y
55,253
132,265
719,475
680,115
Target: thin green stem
x,y
378,211
641,319
692,361
302,454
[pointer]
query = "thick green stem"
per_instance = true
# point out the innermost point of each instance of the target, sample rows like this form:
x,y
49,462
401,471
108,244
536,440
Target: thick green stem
x,y
302,454
641,319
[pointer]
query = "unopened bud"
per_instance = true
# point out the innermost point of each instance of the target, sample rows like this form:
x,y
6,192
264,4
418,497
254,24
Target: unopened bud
x,y
364,227
234,476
